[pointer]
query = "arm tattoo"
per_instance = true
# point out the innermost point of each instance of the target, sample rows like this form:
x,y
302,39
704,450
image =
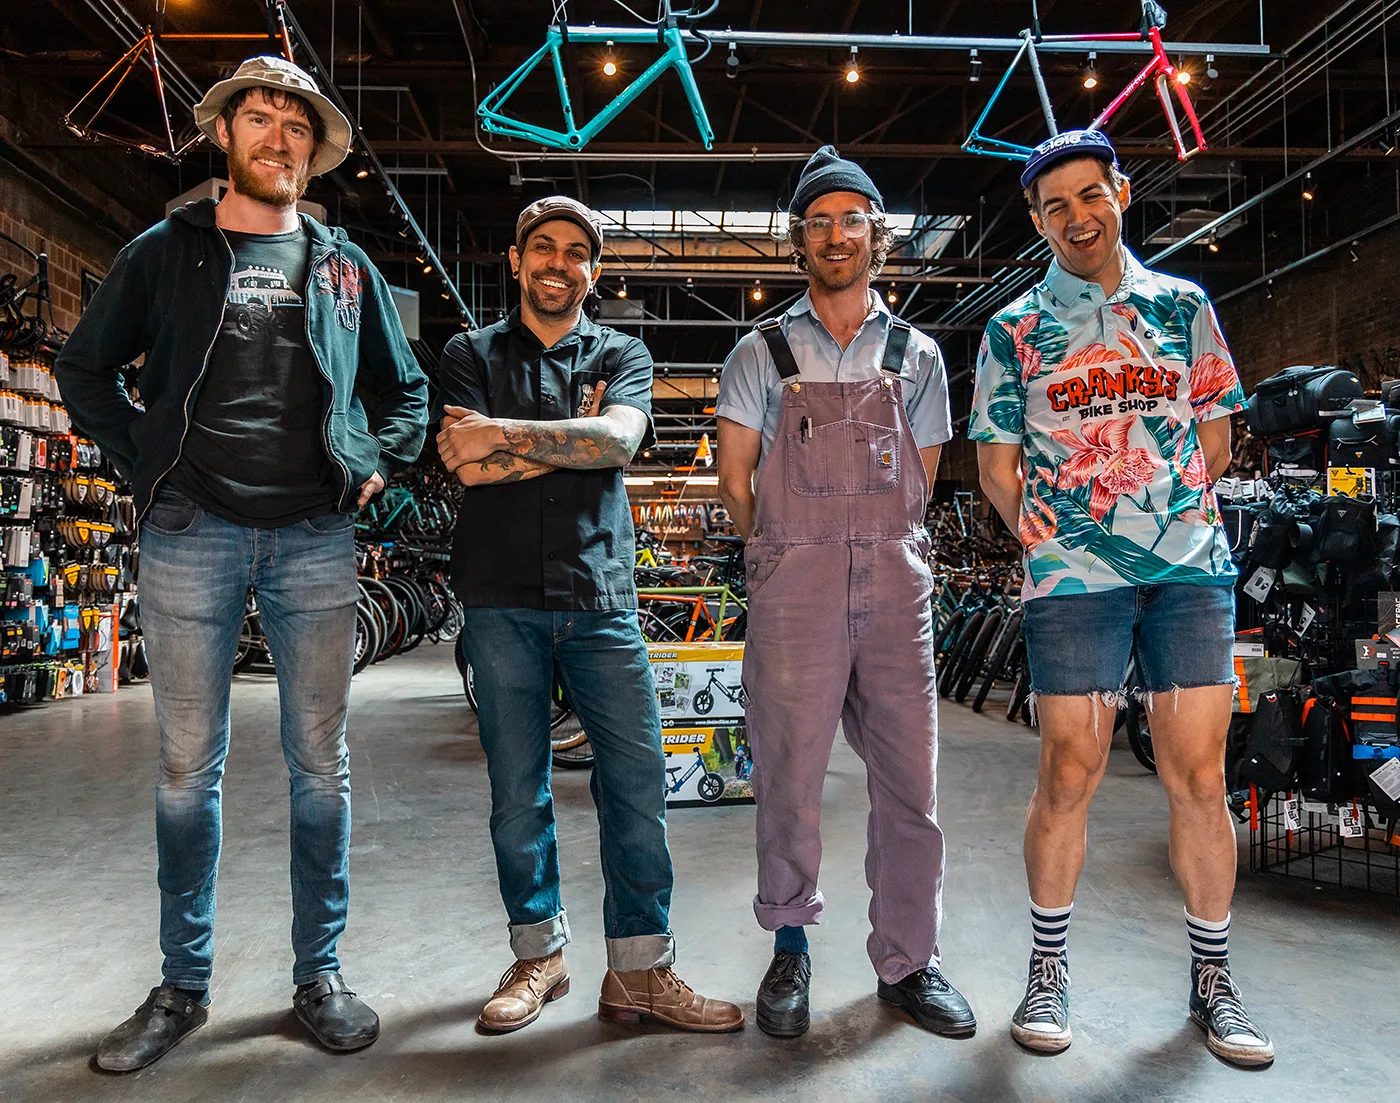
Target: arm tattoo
x,y
507,467
579,443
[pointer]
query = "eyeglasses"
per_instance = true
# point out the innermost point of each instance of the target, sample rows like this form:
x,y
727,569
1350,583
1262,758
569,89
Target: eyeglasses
x,y
818,228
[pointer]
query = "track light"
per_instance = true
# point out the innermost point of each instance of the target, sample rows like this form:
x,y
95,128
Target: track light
x,y
1213,245
1269,290
731,64
974,68
609,62
362,174
1354,257
714,378
1211,71
892,297
757,293
445,295
852,69
1091,74
1308,188
622,291
427,269
1183,76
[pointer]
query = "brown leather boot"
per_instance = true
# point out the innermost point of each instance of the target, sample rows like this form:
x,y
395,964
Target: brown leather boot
x,y
661,996
524,990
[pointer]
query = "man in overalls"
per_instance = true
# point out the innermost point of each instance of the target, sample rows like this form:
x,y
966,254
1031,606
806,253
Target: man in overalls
x,y
831,417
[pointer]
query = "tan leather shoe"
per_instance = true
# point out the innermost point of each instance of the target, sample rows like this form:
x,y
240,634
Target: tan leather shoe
x,y
524,990
661,996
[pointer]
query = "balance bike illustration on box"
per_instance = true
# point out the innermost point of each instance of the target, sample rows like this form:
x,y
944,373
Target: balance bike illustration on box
x,y
704,700
710,787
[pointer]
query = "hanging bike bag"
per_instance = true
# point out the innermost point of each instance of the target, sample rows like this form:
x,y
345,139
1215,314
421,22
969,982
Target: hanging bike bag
x,y
1301,397
1303,450
1271,755
1369,445
1324,764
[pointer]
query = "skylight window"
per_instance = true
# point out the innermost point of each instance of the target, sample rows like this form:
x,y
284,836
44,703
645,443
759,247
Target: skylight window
x,y
719,223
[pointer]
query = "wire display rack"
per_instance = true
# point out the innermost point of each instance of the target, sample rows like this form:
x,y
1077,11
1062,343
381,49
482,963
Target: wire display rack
x,y
1313,848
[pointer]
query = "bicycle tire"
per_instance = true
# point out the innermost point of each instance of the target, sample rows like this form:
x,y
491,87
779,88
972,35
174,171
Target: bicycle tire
x,y
952,667
248,645
438,603
1139,732
947,634
366,638
1005,664
656,629
412,599
972,661
1020,693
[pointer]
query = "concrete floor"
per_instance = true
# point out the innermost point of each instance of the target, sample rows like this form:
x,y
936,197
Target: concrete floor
x,y
426,941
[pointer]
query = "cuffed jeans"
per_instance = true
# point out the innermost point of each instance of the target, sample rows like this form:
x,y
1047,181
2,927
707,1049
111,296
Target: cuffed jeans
x,y
196,570
603,668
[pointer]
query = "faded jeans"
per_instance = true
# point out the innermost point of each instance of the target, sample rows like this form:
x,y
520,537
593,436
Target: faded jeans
x,y
196,570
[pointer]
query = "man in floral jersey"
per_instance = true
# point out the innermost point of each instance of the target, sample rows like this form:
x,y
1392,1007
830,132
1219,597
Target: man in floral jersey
x,y
1101,419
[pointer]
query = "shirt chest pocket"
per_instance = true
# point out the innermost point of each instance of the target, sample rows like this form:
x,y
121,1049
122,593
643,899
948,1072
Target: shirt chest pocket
x,y
584,392
843,458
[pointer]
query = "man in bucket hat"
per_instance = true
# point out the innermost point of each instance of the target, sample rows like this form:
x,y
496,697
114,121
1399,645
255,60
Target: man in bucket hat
x,y
248,459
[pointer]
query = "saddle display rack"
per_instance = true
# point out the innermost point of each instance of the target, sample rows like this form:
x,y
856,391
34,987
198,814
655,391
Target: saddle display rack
x,y
1315,534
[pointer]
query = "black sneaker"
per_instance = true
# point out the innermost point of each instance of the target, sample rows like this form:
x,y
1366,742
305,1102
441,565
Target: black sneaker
x,y
1216,1008
1041,1022
783,1008
934,1003
160,1022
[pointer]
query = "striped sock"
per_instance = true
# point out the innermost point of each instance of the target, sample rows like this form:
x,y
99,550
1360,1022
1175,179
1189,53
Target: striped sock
x,y
1049,928
1209,941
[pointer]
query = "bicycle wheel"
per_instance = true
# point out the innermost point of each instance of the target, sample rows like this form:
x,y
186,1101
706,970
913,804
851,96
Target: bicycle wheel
x,y
366,637
437,603
395,621
953,662
656,629
948,634
710,788
1139,730
972,661
1001,664
411,598
1020,693
250,644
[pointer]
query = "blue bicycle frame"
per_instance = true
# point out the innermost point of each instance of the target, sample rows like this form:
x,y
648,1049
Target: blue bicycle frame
x,y
574,137
977,142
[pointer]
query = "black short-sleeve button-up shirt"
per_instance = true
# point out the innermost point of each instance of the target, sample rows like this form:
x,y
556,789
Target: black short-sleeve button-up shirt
x,y
563,540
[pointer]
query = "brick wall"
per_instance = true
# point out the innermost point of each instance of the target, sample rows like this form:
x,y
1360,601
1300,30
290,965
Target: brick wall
x,y
66,262
1333,311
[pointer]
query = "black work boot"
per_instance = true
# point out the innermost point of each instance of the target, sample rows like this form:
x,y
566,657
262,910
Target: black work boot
x,y
166,1017
782,997
339,1018
934,1003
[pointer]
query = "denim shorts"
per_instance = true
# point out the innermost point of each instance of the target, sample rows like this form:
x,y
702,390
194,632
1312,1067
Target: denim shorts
x,y
1183,637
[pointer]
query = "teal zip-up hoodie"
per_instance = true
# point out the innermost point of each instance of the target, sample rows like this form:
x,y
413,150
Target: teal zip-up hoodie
x,y
164,298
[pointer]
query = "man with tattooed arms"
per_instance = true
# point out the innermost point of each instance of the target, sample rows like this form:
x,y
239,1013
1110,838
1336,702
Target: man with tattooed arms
x,y
539,413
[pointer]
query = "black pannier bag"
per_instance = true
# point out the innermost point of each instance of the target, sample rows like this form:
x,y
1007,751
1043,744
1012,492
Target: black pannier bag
x,y
1324,764
1341,531
1271,755
1303,450
1300,397
1238,519
1371,444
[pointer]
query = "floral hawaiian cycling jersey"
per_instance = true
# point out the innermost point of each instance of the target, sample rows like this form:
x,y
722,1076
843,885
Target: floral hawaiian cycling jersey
x,y
1104,396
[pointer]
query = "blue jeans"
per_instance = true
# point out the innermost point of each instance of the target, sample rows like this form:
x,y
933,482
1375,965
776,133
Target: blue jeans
x,y
1183,636
603,668
196,570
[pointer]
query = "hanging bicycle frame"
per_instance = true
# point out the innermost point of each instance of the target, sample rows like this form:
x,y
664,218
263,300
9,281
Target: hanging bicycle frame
x,y
1159,68
144,49
573,137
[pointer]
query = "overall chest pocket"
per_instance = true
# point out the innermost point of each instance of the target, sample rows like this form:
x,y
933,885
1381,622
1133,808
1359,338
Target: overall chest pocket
x,y
843,458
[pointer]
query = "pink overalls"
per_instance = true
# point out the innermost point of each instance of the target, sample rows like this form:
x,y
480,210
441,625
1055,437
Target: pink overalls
x,y
840,628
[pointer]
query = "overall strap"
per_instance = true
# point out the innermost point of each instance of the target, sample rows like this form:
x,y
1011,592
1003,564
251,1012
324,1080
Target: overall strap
x,y
772,333
895,345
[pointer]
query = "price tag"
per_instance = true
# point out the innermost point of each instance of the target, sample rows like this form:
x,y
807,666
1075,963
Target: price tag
x,y
1260,583
1349,822
1291,820
1387,778
1317,808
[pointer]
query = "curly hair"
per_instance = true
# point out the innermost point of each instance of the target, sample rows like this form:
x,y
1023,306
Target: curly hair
x,y
881,242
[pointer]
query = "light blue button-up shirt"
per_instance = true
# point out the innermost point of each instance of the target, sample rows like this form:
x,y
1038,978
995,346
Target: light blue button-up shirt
x,y
751,391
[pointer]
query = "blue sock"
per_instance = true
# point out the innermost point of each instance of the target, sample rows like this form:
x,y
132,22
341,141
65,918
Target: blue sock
x,y
790,940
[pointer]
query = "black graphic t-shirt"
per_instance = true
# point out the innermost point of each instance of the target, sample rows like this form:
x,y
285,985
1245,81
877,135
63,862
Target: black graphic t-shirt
x,y
255,453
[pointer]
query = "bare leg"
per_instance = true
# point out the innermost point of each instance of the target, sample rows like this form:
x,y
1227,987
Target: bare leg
x,y
1188,740
1075,734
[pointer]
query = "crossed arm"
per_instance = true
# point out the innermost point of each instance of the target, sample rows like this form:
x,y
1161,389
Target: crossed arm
x,y
482,451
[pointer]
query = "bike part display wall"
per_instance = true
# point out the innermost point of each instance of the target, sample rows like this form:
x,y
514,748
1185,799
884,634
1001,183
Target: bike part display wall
x,y
66,546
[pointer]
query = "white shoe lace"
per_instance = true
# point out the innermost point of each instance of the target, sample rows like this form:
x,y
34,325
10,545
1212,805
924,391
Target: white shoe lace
x,y
1227,1014
1045,993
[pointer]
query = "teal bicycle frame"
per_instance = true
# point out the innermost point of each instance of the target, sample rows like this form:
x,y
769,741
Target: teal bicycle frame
x,y
573,137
